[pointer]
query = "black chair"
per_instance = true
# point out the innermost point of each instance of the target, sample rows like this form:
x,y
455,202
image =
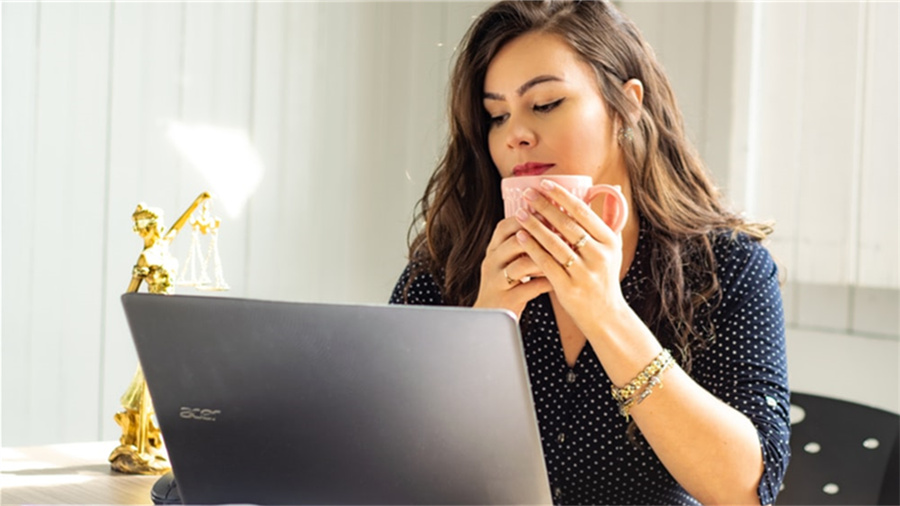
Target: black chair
x,y
841,453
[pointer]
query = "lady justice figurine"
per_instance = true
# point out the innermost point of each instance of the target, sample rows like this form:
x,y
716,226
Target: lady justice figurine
x,y
140,449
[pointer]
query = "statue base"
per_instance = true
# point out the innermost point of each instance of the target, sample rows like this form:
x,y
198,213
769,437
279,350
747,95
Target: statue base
x,y
126,459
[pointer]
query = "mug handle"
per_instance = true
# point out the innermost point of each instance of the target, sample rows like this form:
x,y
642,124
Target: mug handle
x,y
615,210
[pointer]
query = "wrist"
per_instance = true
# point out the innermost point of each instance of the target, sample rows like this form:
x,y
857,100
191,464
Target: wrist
x,y
623,343
617,322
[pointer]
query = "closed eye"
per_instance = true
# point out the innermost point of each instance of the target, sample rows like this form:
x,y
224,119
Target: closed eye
x,y
497,120
543,108
548,107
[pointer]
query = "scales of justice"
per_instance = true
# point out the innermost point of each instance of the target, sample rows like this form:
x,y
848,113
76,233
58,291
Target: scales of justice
x,y
141,447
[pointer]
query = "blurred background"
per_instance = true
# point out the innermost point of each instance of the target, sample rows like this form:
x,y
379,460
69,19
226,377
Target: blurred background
x,y
317,125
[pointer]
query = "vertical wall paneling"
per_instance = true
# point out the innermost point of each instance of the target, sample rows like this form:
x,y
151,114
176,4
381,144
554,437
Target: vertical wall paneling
x,y
195,103
694,41
325,254
263,224
409,47
122,245
649,18
69,175
86,196
719,96
772,181
20,59
215,116
829,160
196,85
161,97
232,108
365,25
745,53
145,98
430,47
878,222
373,102
684,37
297,214
51,166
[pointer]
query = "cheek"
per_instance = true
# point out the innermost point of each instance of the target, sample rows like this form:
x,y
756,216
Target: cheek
x,y
594,137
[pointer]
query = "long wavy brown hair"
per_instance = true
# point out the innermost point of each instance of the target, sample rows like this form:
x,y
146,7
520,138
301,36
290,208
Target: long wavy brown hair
x,y
681,209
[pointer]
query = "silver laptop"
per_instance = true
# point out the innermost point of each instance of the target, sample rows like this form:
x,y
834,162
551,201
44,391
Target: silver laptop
x,y
339,404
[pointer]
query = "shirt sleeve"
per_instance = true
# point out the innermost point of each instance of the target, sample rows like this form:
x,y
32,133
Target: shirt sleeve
x,y
746,362
423,290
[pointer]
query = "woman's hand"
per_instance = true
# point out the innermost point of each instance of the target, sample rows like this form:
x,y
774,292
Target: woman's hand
x,y
583,265
509,278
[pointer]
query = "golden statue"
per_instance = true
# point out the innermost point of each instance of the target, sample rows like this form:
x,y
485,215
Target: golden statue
x,y
205,225
140,447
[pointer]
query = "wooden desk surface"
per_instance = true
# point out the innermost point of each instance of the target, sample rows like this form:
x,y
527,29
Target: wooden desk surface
x,y
76,473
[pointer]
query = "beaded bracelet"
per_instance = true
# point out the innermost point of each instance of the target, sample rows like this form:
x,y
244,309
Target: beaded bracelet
x,y
639,381
655,380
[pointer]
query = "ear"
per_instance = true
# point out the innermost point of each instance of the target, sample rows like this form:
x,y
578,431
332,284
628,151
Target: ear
x,y
634,90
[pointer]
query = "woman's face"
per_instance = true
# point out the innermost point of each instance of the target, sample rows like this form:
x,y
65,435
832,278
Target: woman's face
x,y
548,115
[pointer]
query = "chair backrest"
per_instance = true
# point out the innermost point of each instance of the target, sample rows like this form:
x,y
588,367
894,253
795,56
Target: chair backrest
x,y
841,453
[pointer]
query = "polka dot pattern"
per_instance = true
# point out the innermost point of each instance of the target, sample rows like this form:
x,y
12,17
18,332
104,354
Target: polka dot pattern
x,y
589,458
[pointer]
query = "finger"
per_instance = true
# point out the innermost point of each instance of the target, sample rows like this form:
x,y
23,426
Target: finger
x,y
504,257
553,269
549,241
555,215
577,212
527,291
523,268
505,229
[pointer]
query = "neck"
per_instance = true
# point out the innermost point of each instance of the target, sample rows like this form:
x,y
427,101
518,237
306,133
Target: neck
x,y
630,235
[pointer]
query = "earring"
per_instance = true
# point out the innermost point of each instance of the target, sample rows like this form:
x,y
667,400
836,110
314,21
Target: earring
x,y
626,134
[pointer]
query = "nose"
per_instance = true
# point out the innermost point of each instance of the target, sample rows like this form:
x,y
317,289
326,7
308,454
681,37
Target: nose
x,y
520,135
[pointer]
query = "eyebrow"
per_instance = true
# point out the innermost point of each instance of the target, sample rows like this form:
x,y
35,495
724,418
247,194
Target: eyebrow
x,y
525,87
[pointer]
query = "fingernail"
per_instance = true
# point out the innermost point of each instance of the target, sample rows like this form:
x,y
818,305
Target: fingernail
x,y
522,215
547,184
522,236
530,194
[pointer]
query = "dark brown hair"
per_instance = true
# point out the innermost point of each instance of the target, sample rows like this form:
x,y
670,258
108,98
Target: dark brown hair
x,y
681,209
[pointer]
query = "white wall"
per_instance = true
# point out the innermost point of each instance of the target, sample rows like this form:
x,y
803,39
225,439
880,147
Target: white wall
x,y
344,105
342,102
794,106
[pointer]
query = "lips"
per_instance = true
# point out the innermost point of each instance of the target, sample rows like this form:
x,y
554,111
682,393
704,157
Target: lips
x,y
531,169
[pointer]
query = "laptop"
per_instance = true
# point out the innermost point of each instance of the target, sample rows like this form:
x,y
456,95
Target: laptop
x,y
297,403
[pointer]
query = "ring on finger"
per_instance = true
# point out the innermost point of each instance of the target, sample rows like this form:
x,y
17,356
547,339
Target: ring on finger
x,y
569,262
581,242
509,280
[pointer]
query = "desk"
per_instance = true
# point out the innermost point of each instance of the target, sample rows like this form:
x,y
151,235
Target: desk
x,y
76,473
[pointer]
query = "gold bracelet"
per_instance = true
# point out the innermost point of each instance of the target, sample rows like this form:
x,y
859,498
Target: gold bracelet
x,y
656,380
639,381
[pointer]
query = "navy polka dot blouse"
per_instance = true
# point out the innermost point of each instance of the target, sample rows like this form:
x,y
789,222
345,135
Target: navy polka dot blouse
x,y
589,457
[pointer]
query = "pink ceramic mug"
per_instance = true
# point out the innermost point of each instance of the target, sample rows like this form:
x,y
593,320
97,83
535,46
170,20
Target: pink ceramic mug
x,y
614,212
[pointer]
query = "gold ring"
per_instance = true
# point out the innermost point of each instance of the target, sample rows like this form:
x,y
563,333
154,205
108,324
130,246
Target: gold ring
x,y
569,262
509,280
581,242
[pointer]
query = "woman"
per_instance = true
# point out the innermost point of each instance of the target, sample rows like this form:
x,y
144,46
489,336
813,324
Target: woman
x,y
570,87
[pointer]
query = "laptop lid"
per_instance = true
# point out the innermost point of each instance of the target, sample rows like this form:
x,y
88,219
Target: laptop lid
x,y
339,404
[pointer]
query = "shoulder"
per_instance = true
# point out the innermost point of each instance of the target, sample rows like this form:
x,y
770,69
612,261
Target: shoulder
x,y
737,253
744,266
417,285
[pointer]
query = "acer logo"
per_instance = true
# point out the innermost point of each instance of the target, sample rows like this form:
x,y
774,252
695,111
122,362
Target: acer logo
x,y
208,415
